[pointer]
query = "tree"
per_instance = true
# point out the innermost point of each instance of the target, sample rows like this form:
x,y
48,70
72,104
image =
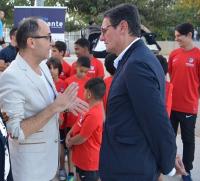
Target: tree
x,y
8,7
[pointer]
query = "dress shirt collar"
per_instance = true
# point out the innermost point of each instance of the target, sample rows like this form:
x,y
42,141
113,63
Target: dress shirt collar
x,y
116,61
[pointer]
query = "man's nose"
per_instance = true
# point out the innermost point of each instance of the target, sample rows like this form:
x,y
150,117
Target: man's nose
x,y
101,37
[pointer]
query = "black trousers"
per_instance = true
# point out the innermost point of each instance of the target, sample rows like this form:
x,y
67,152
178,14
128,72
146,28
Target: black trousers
x,y
187,124
87,175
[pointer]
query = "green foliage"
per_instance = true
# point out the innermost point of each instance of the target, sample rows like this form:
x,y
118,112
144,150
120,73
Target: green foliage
x,y
160,16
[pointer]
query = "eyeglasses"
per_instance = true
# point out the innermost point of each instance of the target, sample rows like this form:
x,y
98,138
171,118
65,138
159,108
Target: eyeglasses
x,y
105,29
48,37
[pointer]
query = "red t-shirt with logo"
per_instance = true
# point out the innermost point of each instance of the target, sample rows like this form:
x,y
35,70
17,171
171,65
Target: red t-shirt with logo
x,y
184,71
66,69
86,155
96,68
60,87
107,81
70,118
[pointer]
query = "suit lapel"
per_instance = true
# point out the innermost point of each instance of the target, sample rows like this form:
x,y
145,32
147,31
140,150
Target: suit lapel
x,y
125,57
34,78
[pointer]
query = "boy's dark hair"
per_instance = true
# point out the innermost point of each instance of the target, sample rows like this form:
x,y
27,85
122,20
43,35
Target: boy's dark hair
x,y
163,62
13,31
109,61
84,43
55,63
97,87
84,61
185,28
61,46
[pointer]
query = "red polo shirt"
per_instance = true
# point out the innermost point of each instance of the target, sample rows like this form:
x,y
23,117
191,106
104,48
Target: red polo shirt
x,y
184,71
86,155
66,69
70,118
96,69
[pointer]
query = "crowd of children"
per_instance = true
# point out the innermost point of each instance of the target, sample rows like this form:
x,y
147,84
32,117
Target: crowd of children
x,y
83,132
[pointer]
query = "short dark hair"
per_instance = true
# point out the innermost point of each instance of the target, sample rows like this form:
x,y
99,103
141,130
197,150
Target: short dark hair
x,y
127,12
55,62
109,63
27,28
97,87
185,28
61,46
163,62
83,61
13,31
84,43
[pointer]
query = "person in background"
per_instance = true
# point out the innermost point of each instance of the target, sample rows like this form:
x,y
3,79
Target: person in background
x,y
168,90
86,134
184,72
8,54
109,65
55,68
82,48
168,85
58,51
82,67
5,165
2,41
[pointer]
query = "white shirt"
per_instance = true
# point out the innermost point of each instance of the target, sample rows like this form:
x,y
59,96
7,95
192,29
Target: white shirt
x,y
116,61
49,88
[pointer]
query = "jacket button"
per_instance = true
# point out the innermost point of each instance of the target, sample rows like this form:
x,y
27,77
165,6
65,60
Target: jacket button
x,y
56,141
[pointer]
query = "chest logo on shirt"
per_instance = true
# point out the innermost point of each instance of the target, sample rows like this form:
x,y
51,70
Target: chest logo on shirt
x,y
80,121
190,62
174,60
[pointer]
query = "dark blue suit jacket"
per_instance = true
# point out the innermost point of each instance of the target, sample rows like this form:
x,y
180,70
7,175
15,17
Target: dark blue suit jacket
x,y
138,140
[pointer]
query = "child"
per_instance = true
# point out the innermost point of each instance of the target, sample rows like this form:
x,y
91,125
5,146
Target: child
x,y
55,68
58,51
168,93
168,86
82,67
86,134
109,60
82,48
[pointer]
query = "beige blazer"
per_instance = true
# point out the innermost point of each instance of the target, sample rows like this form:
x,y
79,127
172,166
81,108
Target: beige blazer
x,y
23,94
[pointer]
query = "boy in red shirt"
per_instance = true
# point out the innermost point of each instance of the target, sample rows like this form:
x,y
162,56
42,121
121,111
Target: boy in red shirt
x,y
82,48
58,51
55,68
184,71
86,134
82,67
109,60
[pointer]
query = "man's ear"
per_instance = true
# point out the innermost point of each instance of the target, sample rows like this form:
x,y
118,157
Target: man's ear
x,y
30,42
123,26
189,35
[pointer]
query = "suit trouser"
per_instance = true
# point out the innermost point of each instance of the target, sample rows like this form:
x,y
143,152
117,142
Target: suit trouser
x,y
187,124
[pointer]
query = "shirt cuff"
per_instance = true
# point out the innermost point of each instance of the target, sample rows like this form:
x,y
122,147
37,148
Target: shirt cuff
x,y
172,173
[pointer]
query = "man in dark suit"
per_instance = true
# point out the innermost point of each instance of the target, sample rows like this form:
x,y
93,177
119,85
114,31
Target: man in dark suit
x,y
138,140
